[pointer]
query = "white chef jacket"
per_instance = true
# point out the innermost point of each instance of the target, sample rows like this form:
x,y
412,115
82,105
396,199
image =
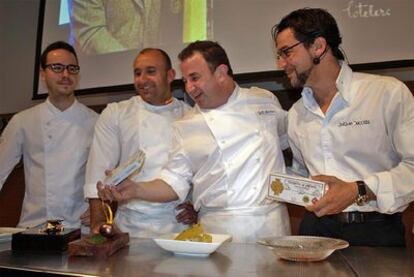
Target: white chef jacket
x,y
55,146
228,153
122,129
366,134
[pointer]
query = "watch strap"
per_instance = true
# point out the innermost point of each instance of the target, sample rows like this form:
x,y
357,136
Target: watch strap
x,y
362,197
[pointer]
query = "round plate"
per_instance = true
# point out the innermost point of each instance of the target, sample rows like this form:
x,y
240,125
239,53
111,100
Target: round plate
x,y
303,248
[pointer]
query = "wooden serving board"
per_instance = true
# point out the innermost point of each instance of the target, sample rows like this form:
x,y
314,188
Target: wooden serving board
x,y
84,246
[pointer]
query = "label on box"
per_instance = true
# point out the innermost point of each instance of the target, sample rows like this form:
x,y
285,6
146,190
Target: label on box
x,y
295,190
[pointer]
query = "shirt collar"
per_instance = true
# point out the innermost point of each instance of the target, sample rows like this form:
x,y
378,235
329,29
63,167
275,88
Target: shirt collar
x,y
155,108
343,82
55,111
308,100
232,99
234,95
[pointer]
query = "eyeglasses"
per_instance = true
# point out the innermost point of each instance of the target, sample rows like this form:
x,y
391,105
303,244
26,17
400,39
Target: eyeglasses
x,y
59,68
285,52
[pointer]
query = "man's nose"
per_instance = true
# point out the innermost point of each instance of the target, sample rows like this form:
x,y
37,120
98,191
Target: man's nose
x,y
65,72
189,87
142,77
281,63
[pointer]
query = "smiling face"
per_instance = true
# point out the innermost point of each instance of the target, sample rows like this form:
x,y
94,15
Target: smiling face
x,y
60,85
152,79
295,61
201,84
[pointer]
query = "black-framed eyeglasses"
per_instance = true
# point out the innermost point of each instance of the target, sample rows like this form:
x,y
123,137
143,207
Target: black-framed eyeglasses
x,y
284,52
59,68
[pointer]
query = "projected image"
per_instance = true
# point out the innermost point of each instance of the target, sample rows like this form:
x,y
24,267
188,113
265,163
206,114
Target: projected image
x,y
106,26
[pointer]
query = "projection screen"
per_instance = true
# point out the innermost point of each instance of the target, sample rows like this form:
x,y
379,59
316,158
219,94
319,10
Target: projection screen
x,y
108,34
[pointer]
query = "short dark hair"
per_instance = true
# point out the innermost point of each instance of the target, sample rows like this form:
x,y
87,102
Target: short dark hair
x,y
55,46
310,23
164,54
211,51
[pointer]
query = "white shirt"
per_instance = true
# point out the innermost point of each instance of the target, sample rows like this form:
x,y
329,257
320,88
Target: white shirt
x,y
55,146
227,154
366,134
120,131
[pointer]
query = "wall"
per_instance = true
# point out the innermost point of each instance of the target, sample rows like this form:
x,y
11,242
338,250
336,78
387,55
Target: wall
x,y
18,21
18,28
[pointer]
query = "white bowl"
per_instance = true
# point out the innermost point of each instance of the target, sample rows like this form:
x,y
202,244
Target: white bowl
x,y
304,248
191,248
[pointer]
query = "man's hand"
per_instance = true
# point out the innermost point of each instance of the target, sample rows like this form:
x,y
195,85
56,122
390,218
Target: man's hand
x,y
339,196
123,192
187,214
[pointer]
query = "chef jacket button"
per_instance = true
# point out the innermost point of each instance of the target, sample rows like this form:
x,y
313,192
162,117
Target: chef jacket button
x,y
223,141
49,137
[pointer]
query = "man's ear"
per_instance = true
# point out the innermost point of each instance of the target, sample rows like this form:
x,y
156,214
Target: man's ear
x,y
319,46
222,70
42,74
171,75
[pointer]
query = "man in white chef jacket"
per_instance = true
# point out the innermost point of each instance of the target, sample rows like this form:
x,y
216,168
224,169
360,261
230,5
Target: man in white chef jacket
x,y
142,122
351,130
226,147
53,138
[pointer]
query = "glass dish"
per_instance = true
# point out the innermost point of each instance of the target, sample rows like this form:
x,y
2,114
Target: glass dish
x,y
303,248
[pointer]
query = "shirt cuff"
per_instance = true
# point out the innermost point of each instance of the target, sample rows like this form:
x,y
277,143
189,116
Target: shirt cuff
x,y
177,183
90,191
380,184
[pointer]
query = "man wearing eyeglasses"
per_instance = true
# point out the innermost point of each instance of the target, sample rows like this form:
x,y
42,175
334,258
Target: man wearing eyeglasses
x,y
54,139
351,130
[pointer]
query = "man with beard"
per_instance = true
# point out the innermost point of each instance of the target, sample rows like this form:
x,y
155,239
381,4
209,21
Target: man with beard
x,y
226,147
142,122
352,131
54,139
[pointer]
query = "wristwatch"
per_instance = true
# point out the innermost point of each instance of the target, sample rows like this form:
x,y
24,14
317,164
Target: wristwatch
x,y
362,198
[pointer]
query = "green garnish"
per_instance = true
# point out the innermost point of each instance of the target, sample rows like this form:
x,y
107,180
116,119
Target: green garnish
x,y
96,239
